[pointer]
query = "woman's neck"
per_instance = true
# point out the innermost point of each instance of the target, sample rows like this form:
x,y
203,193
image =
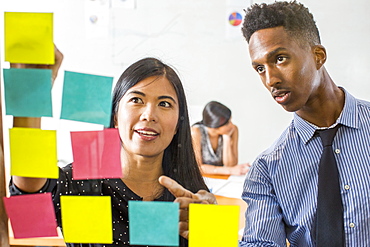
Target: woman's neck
x,y
141,175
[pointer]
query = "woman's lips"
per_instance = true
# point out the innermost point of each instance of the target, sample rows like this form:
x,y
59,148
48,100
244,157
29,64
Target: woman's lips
x,y
147,134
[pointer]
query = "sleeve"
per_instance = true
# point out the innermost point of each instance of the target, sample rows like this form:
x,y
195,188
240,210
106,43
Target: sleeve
x,y
64,185
264,224
49,186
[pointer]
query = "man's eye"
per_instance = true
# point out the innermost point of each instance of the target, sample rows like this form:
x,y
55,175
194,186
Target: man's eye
x,y
165,104
260,69
280,59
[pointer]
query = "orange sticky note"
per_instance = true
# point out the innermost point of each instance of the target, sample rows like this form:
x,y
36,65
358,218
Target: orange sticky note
x,y
29,38
33,153
87,219
213,225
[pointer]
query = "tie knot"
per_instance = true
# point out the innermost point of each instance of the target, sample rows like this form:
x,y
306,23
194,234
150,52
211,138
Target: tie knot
x,y
327,135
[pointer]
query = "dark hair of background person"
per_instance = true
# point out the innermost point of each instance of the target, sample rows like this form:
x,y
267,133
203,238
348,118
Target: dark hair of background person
x,y
294,17
215,115
179,161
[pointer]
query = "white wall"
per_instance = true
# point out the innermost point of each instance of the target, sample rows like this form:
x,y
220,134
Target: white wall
x,y
210,55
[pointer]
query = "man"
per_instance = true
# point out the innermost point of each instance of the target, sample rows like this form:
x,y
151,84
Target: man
x,y
281,189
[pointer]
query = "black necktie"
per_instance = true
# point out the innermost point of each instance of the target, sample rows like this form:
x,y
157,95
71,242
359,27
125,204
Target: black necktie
x,y
329,215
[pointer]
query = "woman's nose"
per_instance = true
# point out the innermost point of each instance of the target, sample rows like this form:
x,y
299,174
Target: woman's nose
x,y
149,114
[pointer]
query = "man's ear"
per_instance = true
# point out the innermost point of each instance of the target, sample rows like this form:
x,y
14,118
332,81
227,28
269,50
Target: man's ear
x,y
320,55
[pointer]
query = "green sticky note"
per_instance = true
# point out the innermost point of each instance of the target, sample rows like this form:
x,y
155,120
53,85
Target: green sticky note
x,y
28,92
213,225
29,38
87,219
154,223
33,153
87,98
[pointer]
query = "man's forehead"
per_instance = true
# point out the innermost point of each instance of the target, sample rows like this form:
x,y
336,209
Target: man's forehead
x,y
268,39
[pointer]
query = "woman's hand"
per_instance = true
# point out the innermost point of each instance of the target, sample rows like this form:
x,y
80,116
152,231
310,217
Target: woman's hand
x,y
240,169
228,129
184,197
33,122
53,67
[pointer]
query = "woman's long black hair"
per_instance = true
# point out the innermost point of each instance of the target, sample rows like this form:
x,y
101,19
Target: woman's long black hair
x,y
179,161
215,115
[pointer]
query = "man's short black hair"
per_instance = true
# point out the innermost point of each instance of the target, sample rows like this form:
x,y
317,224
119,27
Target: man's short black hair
x,y
294,17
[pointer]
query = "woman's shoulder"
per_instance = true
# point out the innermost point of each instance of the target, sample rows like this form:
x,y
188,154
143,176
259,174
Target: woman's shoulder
x,y
196,128
79,186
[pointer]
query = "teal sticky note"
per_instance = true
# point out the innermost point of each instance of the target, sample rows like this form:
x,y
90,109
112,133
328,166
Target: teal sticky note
x,y
28,92
153,223
87,98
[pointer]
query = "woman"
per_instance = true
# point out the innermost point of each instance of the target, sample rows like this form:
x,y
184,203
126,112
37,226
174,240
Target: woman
x,y
216,141
150,111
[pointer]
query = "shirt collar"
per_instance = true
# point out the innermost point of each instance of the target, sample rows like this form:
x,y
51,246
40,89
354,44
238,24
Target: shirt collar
x,y
348,117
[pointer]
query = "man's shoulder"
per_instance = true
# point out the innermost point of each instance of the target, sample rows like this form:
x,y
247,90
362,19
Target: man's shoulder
x,y
359,103
280,142
363,104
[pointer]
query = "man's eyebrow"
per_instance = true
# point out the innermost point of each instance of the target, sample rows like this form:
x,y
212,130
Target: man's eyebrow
x,y
271,54
274,52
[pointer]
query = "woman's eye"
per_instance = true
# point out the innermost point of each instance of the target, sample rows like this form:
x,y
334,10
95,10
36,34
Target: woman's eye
x,y
136,100
165,104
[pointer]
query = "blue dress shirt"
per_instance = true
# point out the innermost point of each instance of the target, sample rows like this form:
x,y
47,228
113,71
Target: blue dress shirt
x,y
281,187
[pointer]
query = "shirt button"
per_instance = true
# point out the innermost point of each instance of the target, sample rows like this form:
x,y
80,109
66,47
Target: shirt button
x,y
347,187
352,225
337,151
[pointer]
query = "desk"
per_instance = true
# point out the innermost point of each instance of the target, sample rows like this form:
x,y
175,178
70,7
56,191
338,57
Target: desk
x,y
48,241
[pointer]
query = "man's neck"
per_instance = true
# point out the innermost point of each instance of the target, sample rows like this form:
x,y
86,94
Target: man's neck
x,y
326,107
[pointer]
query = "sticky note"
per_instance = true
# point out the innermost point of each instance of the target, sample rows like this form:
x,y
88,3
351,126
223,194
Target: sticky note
x,y
31,216
28,92
87,98
33,153
96,154
213,225
87,219
153,223
29,38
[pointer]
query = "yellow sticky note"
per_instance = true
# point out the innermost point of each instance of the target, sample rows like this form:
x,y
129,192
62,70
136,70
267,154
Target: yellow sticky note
x,y
87,219
213,225
29,38
33,153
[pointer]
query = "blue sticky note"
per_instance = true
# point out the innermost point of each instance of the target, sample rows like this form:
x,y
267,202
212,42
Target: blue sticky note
x,y
87,98
28,92
153,223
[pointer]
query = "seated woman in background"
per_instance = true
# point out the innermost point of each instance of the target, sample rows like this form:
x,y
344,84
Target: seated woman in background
x,y
150,111
215,141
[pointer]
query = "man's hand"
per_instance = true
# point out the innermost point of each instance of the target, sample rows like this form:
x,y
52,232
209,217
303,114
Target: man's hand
x,y
184,197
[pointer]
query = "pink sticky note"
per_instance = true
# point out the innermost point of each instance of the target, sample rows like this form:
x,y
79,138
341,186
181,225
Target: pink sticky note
x,y
31,216
96,154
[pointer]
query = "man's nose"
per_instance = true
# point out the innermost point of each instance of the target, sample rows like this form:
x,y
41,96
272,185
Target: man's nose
x,y
272,77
